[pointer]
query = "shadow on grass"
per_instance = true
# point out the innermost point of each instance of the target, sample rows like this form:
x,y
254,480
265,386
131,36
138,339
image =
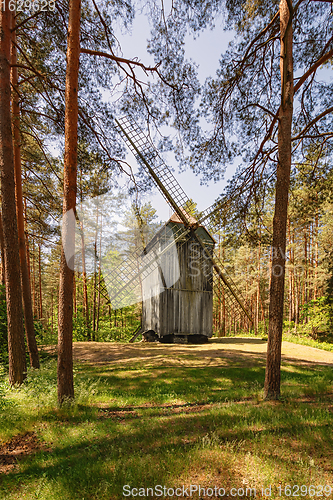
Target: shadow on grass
x,y
164,449
237,340
140,384
175,440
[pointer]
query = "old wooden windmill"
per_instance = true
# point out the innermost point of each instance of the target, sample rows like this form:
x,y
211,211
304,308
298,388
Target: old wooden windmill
x,y
178,269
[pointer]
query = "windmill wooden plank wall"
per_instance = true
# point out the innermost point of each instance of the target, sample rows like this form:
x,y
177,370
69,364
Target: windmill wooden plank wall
x,y
178,295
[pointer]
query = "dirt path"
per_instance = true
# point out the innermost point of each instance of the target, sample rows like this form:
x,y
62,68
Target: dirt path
x,y
215,352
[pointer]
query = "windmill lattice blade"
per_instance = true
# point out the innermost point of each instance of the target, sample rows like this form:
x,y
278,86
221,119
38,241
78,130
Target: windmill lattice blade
x,y
228,284
231,287
207,216
128,275
148,156
230,309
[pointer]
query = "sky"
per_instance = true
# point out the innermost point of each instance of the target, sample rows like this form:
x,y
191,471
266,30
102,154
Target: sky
x,y
205,50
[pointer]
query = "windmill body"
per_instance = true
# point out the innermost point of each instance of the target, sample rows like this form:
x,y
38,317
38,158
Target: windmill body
x,y
178,295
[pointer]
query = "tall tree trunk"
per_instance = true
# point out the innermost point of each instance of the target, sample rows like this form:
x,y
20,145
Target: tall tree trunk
x,y
98,300
273,375
95,278
94,290
258,286
34,279
219,292
315,292
52,313
294,277
85,287
306,274
40,282
99,279
65,321
27,303
74,295
290,277
16,349
28,261
110,316
27,244
2,249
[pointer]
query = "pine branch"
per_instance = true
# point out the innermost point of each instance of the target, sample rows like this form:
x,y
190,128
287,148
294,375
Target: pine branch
x,y
313,68
309,125
17,26
129,62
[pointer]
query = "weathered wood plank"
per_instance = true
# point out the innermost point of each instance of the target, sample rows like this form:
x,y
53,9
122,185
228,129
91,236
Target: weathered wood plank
x,y
182,306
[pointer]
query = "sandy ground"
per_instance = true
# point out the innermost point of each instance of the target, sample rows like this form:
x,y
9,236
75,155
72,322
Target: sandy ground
x,y
215,352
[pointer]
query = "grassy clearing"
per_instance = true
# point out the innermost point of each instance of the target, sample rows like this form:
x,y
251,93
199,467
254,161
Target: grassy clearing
x,y
306,340
296,338
148,424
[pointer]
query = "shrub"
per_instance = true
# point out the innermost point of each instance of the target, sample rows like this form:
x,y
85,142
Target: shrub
x,y
316,314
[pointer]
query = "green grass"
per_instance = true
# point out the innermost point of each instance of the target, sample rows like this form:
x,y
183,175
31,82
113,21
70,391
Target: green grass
x,y
150,424
295,338
306,340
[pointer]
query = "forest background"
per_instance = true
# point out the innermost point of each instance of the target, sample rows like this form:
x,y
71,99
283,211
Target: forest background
x,y
168,93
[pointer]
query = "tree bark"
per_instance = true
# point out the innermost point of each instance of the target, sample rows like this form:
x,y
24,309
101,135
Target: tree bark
x,y
16,348
316,258
2,249
27,240
27,302
52,313
95,279
99,280
40,283
290,278
34,280
94,294
74,295
258,287
273,365
65,322
306,274
85,286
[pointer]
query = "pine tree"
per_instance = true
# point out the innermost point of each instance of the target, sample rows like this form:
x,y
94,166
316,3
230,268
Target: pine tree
x,y
16,348
65,328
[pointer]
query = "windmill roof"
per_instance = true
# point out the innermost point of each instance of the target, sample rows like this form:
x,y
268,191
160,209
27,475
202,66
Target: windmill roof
x,y
175,217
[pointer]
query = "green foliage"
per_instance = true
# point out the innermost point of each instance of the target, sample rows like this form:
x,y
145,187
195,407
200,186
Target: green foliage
x,y
315,329
117,333
117,327
315,322
316,314
79,326
39,331
3,387
292,335
191,208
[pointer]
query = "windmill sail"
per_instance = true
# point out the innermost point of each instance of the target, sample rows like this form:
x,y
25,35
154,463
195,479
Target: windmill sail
x,y
148,157
122,283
